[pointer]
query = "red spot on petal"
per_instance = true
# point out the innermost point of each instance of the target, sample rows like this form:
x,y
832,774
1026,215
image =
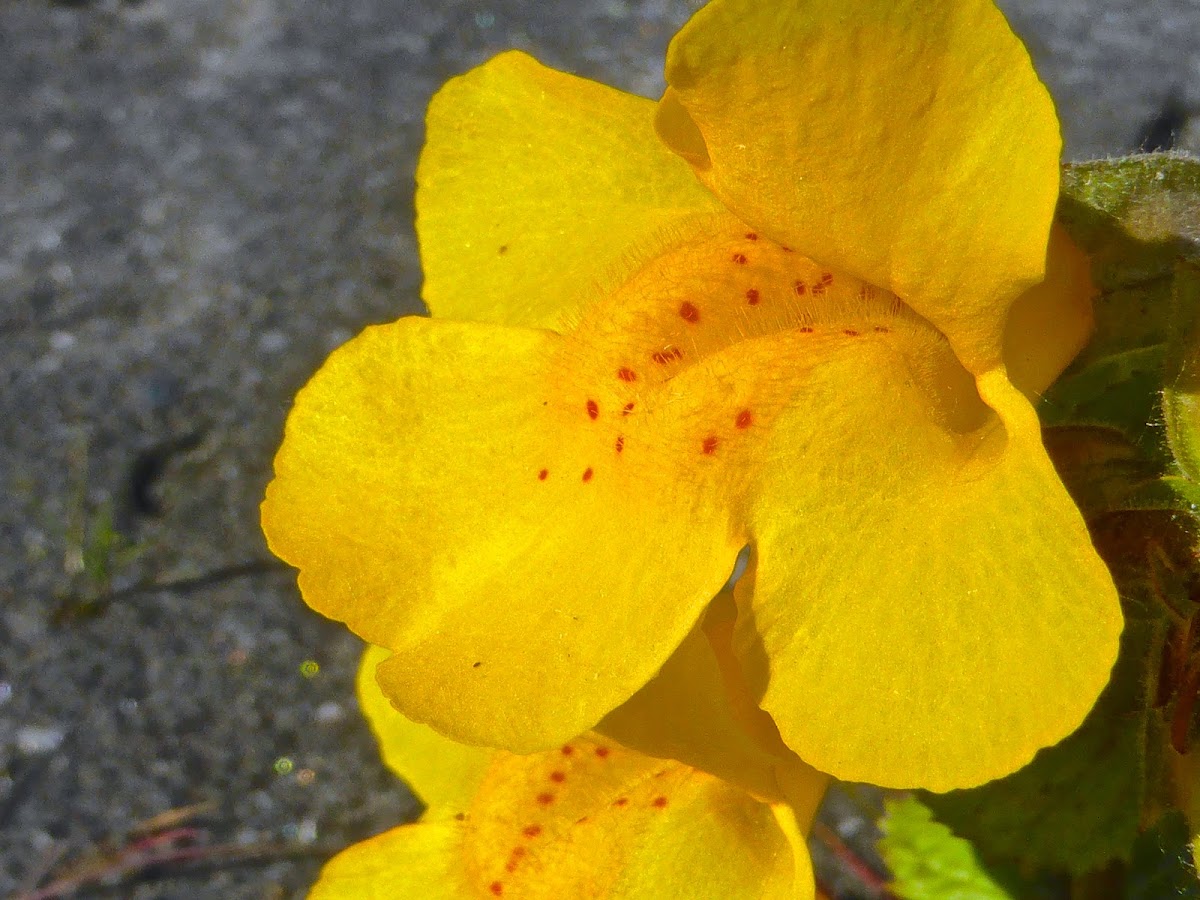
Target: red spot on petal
x,y
620,801
581,820
587,474
800,288
460,816
744,418
805,329
626,374
663,357
531,831
849,332
620,445
627,409
659,802
602,752
514,859
818,289
558,777
826,278
542,474
688,312
567,750
503,249
593,409
739,258
545,798
751,236
496,888
880,329
786,249
710,445
752,296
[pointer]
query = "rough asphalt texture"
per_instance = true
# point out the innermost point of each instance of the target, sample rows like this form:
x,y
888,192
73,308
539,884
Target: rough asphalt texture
x,y
197,202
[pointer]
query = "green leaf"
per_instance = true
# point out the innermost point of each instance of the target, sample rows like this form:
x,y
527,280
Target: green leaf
x,y
1162,863
1079,804
928,862
1136,218
1181,371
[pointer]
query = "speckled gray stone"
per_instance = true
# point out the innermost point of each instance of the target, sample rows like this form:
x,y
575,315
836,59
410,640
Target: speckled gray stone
x,y
198,201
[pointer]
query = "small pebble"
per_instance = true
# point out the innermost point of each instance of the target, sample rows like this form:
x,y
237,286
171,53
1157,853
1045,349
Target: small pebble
x,y
35,739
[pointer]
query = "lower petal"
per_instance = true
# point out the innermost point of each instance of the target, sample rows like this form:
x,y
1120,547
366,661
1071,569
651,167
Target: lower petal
x,y
455,493
927,618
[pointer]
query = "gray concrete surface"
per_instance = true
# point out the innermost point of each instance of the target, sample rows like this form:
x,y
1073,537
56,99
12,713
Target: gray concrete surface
x,y
198,200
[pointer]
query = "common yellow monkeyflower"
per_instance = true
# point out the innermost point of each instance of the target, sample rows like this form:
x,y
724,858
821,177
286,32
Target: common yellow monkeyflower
x,y
801,303
589,818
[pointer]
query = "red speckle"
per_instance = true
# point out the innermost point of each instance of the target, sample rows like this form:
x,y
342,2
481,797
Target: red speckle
x,y
532,831
602,752
819,289
744,418
659,802
496,888
880,329
545,798
739,258
849,332
587,474
503,249
785,249
567,750
558,777
593,409
800,288
752,296
805,329
581,820
710,445
620,444
626,374
663,357
826,278
620,801
688,312
627,409
460,816
514,858
751,236
542,474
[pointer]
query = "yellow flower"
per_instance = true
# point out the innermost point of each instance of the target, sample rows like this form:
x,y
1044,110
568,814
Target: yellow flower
x,y
589,818
799,304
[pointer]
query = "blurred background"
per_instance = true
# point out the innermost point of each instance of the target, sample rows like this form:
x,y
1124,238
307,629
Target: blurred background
x,y
198,201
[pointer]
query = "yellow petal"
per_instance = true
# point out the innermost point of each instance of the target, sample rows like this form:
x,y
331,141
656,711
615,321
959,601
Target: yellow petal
x,y
456,493
689,712
1052,321
534,521
411,861
588,819
909,143
444,774
927,610
535,187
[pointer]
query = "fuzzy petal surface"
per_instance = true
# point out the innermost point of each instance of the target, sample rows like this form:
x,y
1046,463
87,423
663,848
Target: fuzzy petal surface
x,y
587,819
536,187
908,142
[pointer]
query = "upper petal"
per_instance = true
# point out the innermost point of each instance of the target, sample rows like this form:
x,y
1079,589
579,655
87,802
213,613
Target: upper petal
x,y
906,141
535,186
